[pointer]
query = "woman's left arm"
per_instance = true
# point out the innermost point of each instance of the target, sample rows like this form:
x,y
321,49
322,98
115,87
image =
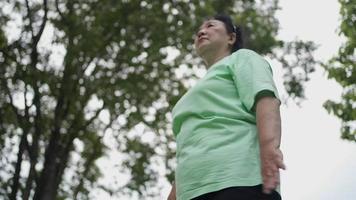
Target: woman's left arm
x,y
269,130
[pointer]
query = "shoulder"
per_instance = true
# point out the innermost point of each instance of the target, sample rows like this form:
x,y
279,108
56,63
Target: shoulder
x,y
246,59
246,54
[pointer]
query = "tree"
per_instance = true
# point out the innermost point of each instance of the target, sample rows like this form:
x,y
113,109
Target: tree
x,y
342,68
75,72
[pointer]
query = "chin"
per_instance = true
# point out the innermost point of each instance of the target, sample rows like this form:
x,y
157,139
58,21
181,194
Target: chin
x,y
202,50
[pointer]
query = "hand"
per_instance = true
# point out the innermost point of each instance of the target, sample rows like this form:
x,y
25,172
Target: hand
x,y
271,162
172,194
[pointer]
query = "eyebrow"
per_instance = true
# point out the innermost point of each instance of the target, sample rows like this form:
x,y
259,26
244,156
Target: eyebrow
x,y
207,22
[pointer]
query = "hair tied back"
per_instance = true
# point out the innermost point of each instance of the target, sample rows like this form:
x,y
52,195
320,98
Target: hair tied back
x,y
234,29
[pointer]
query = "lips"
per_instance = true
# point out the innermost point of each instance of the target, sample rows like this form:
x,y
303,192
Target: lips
x,y
201,39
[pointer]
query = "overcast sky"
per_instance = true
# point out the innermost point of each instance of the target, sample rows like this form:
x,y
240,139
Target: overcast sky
x,y
320,165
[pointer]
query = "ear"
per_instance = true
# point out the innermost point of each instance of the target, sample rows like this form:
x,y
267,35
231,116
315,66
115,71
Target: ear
x,y
232,38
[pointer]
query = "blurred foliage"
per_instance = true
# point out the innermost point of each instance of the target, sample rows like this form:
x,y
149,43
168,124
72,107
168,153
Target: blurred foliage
x,y
342,69
78,77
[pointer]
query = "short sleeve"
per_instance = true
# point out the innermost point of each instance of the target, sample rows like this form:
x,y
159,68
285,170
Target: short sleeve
x,y
252,77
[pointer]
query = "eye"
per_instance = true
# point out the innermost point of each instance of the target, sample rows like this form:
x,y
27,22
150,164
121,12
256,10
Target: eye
x,y
208,25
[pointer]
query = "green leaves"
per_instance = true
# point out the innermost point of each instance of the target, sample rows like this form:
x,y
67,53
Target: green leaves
x,y
139,164
342,68
297,59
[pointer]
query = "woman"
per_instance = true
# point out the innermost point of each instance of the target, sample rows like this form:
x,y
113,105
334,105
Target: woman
x,y
227,126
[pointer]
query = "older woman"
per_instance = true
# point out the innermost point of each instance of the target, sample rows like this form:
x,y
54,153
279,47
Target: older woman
x,y
228,126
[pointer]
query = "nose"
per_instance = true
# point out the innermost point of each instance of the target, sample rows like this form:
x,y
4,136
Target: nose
x,y
201,32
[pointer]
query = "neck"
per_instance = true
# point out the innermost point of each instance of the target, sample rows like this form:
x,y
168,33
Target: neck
x,y
215,57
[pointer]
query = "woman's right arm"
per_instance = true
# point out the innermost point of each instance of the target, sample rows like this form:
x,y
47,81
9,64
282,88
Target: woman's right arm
x,y
172,194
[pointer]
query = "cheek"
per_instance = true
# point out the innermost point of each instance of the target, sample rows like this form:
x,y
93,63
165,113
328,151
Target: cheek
x,y
221,37
216,35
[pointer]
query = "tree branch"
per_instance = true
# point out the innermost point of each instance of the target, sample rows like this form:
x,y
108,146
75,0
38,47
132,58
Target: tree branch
x,y
69,143
89,163
19,118
29,15
33,149
36,38
58,10
15,181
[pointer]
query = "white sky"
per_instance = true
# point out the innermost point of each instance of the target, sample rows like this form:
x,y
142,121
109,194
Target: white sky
x,y
320,166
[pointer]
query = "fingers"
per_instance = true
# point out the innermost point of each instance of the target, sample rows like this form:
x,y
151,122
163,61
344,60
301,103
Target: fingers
x,y
270,182
270,171
281,165
279,161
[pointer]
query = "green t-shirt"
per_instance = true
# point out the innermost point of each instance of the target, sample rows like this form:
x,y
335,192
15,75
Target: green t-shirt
x,y
215,126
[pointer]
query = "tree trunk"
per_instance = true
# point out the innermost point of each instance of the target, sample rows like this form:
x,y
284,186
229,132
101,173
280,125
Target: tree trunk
x,y
15,183
46,188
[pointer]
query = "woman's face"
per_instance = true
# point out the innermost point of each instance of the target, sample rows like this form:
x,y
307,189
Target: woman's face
x,y
212,36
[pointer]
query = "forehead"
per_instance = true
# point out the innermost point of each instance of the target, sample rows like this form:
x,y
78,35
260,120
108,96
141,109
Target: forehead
x,y
210,21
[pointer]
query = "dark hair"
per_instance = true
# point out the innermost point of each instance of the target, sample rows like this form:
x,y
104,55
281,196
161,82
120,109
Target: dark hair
x,y
231,28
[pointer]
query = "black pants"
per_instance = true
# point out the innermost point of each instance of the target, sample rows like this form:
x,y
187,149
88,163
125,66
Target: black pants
x,y
240,193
